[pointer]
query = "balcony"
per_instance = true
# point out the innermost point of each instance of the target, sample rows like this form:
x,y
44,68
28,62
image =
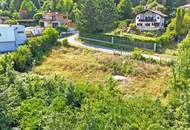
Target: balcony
x,y
147,20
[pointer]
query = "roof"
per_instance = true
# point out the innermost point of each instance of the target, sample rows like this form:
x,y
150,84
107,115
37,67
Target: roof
x,y
54,14
4,17
185,6
27,20
154,11
7,34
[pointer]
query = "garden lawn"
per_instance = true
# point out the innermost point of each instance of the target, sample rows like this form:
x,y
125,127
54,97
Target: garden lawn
x,y
82,65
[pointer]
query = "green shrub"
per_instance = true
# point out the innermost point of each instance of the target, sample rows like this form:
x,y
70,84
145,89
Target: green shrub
x,y
62,28
22,58
38,16
64,42
155,127
34,49
133,26
52,33
124,23
12,22
137,54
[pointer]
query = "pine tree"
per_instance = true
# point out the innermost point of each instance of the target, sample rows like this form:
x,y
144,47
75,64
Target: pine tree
x,y
124,9
85,16
65,6
169,6
36,3
179,21
15,5
29,6
105,15
53,5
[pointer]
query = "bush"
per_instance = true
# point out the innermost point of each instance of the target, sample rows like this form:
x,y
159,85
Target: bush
x,y
137,54
133,26
52,33
12,22
124,23
64,42
38,16
62,28
33,51
22,58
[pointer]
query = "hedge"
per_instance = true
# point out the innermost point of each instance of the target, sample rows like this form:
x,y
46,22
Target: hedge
x,y
121,40
33,50
142,43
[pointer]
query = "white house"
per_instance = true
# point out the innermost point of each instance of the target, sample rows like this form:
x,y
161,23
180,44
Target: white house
x,y
11,37
150,20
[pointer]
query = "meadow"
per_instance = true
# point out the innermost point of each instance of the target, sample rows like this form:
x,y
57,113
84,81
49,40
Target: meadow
x,y
83,65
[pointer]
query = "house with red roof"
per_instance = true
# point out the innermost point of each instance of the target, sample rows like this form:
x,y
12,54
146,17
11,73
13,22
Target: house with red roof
x,y
54,19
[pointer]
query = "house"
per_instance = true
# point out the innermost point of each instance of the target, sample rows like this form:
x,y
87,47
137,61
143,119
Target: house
x,y
33,31
150,20
54,19
11,36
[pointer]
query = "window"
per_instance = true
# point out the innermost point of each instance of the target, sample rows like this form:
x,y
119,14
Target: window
x,y
139,24
42,24
55,25
53,18
20,32
147,24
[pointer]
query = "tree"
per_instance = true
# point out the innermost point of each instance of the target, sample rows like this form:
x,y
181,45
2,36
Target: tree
x,y
95,15
85,16
65,6
179,21
15,5
7,91
105,15
36,3
124,9
53,5
29,7
46,6
169,5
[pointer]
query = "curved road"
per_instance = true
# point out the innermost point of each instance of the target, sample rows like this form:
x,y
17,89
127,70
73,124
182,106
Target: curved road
x,y
72,41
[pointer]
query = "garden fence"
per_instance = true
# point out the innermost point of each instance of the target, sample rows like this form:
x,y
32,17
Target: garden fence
x,y
119,40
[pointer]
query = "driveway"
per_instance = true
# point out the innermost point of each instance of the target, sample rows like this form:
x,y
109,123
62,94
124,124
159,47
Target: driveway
x,y
72,41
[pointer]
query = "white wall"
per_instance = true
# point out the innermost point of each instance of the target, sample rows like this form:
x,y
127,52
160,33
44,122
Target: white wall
x,y
7,46
11,37
157,17
19,34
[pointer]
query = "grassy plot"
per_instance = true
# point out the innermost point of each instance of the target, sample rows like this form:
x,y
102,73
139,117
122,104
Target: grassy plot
x,y
82,65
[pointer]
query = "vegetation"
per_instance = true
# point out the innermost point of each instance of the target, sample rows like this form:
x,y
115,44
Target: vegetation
x,y
52,102
124,9
73,87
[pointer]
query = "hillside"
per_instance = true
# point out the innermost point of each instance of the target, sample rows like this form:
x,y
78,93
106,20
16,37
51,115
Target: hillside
x,y
34,7
56,82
